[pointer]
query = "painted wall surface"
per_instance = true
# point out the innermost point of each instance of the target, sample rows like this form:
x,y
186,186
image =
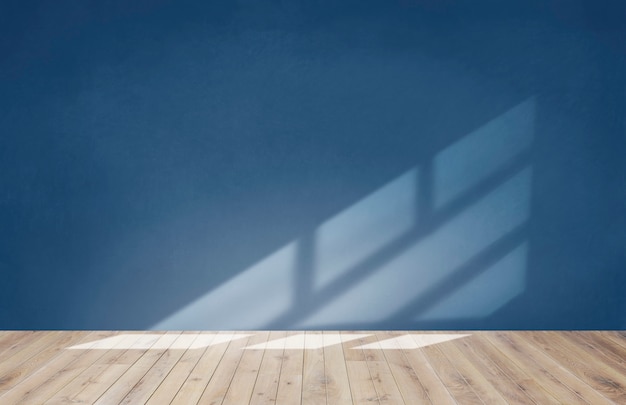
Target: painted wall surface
x,y
404,164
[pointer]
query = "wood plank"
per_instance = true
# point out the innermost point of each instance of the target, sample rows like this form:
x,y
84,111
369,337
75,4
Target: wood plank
x,y
433,385
451,378
609,354
313,373
18,341
20,353
266,387
573,367
217,387
350,344
408,382
536,366
110,367
362,387
68,393
361,384
75,362
203,371
502,383
384,383
290,382
335,372
170,386
609,346
515,371
9,339
474,378
57,372
242,384
125,383
146,386
619,337
604,379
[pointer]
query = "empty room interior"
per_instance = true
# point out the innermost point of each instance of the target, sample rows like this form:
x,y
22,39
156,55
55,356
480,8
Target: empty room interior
x,y
313,202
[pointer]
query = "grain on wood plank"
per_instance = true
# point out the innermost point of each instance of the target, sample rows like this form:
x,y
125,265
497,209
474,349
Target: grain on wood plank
x,y
217,387
9,339
470,373
350,345
362,387
242,384
384,383
313,374
454,382
134,345
609,354
66,394
77,361
290,382
526,381
599,376
56,372
336,374
21,356
609,346
507,387
24,347
266,386
20,353
146,386
434,387
91,373
100,384
361,384
125,383
201,374
110,367
170,386
536,365
19,342
407,380
581,364
618,337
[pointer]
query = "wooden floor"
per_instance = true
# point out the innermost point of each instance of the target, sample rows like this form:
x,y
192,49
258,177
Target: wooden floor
x,y
111,367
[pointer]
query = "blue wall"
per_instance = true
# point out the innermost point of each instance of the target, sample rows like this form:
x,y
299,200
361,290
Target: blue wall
x,y
314,164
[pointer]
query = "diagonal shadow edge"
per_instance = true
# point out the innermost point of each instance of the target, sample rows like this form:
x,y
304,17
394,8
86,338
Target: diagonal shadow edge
x,y
422,206
463,275
311,302
471,269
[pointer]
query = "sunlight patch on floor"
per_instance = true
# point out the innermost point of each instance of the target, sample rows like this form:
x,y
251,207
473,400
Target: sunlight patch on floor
x,y
312,341
301,341
411,341
151,341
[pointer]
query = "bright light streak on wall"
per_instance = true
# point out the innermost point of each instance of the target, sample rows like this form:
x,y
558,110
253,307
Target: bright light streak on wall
x,y
490,168
365,227
252,298
478,155
416,270
487,292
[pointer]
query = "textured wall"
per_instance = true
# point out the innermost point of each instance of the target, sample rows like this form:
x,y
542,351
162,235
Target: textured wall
x,y
315,164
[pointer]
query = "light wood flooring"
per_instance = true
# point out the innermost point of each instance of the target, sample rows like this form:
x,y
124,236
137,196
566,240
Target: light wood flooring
x,y
356,367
